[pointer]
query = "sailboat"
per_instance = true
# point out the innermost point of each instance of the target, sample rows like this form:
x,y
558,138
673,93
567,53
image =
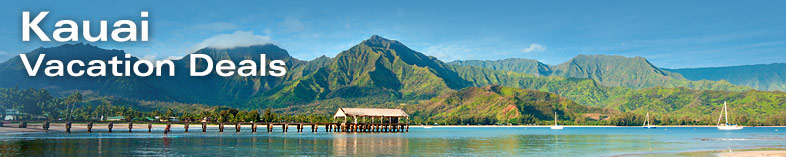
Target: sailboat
x,y
727,126
556,127
647,124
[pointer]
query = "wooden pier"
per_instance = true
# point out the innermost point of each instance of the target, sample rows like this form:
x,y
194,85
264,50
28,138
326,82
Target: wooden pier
x,y
238,126
362,120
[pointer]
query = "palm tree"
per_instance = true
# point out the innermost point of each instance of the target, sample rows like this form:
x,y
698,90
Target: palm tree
x,y
72,99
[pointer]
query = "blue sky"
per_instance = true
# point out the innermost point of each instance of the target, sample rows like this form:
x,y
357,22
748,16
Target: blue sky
x,y
671,34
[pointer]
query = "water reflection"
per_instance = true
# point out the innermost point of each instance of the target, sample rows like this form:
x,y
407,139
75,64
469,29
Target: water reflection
x,y
437,141
344,144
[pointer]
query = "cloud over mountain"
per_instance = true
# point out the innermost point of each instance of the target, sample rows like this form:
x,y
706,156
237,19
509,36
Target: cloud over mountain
x,y
236,39
534,47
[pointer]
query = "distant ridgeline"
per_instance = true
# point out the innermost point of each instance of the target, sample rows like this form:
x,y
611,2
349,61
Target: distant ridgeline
x,y
767,77
378,72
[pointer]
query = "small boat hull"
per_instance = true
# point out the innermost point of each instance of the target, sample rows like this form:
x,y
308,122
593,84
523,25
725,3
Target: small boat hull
x,y
556,127
649,127
731,127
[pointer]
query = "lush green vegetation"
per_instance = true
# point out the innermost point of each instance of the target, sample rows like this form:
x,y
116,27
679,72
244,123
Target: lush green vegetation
x,y
376,67
704,106
500,105
612,71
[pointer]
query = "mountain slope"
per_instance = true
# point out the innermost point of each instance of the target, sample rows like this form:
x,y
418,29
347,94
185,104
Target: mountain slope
x,y
665,103
527,66
767,77
13,73
702,105
497,105
610,71
218,90
376,67
583,91
211,89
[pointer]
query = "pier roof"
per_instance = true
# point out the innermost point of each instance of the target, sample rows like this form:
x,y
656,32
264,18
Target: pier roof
x,y
370,112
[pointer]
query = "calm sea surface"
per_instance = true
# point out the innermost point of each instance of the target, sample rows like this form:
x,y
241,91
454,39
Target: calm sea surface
x,y
507,141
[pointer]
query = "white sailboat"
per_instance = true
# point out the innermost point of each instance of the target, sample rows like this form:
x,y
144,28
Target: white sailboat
x,y
556,126
726,126
647,124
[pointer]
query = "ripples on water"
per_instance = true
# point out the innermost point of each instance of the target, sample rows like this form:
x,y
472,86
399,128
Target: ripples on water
x,y
435,141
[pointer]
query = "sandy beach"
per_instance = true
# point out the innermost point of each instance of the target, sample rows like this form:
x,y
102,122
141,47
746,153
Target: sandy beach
x,y
762,153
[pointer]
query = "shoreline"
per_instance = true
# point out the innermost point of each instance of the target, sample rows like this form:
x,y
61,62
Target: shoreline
x,y
82,127
738,152
577,126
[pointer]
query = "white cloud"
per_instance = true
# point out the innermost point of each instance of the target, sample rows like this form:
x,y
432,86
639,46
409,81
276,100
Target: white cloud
x,y
236,39
534,47
292,24
172,58
151,57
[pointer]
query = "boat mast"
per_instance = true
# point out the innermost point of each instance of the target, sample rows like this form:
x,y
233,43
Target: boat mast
x,y
555,118
725,111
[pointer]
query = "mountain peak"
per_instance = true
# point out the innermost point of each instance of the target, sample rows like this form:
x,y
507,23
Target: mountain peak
x,y
377,37
376,40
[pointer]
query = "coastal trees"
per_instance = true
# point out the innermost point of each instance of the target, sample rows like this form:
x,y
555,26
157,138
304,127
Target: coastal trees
x,y
72,99
27,103
269,116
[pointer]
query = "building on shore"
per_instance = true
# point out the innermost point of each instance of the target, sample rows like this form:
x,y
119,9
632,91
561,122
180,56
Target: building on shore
x,y
370,115
116,118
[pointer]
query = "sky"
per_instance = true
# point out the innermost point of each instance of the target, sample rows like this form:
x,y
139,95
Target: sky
x,y
670,34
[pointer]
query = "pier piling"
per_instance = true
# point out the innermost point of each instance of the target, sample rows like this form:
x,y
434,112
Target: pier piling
x,y
68,127
220,127
90,127
269,127
168,126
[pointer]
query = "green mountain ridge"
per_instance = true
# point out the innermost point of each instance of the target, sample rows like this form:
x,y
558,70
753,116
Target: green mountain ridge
x,y
767,77
608,70
376,67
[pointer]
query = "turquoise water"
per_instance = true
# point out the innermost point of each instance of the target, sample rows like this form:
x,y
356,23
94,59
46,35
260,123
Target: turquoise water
x,y
435,141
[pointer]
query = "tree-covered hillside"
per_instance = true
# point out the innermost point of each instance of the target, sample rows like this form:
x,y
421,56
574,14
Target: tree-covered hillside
x,y
612,71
